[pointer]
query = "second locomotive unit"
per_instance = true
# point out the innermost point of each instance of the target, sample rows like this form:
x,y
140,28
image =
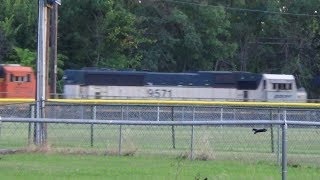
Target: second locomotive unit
x,y
202,85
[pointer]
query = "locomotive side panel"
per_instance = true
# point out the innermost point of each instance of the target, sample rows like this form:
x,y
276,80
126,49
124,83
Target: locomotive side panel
x,y
71,91
191,93
148,92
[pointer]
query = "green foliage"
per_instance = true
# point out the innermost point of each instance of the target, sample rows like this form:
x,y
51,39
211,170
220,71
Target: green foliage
x,y
257,36
19,19
26,57
60,63
104,35
8,28
4,46
18,25
184,37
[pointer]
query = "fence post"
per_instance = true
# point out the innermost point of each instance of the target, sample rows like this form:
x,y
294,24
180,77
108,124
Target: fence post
x,y
182,113
221,115
32,113
120,134
192,135
94,116
278,139
271,132
158,113
284,146
172,129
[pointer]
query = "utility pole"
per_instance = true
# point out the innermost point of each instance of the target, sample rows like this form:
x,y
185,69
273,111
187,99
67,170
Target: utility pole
x,y
39,136
43,51
53,50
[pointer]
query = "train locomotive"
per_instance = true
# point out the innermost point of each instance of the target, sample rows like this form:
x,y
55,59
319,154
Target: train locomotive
x,y
17,81
95,83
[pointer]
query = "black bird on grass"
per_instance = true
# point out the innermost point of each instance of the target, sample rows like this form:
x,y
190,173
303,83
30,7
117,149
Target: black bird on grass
x,y
259,130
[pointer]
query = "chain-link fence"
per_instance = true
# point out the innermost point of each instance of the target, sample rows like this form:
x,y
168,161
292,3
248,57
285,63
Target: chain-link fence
x,y
196,132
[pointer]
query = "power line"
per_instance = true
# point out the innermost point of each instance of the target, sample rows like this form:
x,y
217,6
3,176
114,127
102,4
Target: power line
x,y
271,43
243,9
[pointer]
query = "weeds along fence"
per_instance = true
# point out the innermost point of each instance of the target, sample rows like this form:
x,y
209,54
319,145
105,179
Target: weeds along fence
x,y
281,135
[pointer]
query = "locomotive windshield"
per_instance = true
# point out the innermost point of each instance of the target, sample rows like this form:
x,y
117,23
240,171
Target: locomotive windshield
x,y
2,73
248,81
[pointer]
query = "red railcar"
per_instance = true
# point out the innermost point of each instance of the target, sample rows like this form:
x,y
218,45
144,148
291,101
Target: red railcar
x,y
17,82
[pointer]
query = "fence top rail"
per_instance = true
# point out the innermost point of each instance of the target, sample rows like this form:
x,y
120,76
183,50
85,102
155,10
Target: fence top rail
x,y
172,102
188,102
178,123
184,106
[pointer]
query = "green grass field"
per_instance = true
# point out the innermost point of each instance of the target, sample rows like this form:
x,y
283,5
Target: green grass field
x,y
218,143
53,166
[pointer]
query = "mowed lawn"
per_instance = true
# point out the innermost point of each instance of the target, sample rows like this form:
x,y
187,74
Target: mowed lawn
x,y
65,166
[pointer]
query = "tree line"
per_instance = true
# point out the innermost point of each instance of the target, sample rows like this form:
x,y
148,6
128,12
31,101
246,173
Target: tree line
x,y
276,36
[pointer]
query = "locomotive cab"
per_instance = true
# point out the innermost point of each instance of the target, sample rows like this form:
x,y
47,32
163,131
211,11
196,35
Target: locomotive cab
x,y
17,82
282,87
